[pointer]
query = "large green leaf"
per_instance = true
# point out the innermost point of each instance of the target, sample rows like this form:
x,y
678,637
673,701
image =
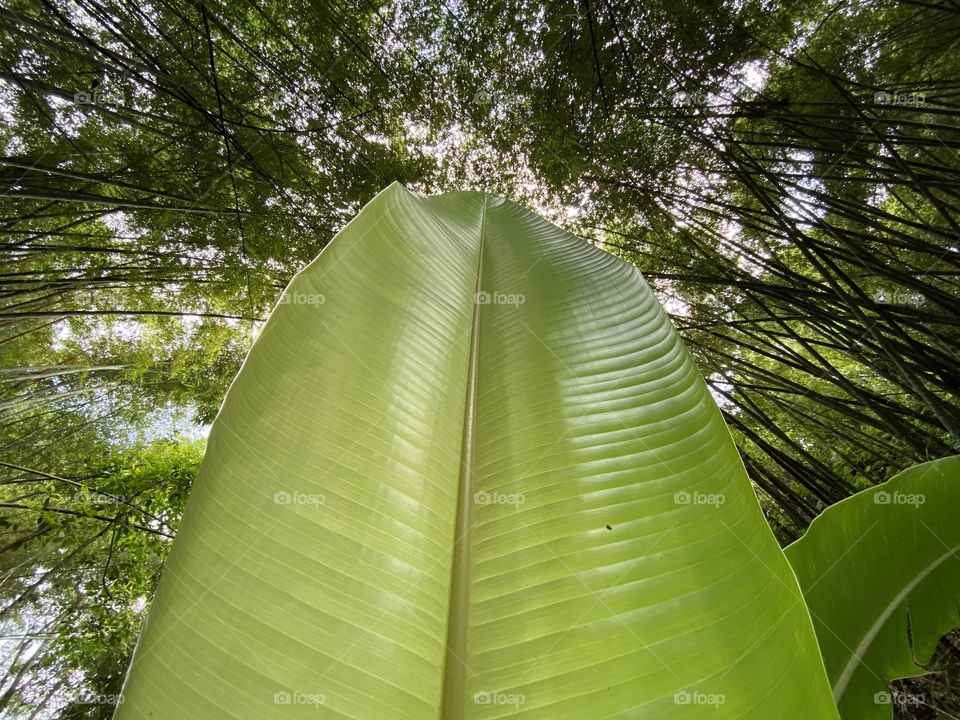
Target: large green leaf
x,y
881,576
526,505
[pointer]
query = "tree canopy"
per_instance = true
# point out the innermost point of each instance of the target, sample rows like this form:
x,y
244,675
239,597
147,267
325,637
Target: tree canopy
x,y
785,175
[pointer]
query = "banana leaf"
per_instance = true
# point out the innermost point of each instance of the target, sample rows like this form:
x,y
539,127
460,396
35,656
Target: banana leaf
x,y
881,575
468,470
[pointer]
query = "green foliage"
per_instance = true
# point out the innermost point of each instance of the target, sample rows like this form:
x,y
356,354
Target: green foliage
x,y
801,233
483,476
880,572
81,559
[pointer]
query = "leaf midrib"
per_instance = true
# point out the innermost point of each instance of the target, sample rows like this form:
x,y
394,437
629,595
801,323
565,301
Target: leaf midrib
x,y
857,657
454,679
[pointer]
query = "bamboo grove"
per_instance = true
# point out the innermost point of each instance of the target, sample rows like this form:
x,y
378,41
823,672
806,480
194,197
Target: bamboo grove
x,y
785,175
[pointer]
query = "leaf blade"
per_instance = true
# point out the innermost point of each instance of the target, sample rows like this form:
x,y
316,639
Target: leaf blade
x,y
586,404
882,579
